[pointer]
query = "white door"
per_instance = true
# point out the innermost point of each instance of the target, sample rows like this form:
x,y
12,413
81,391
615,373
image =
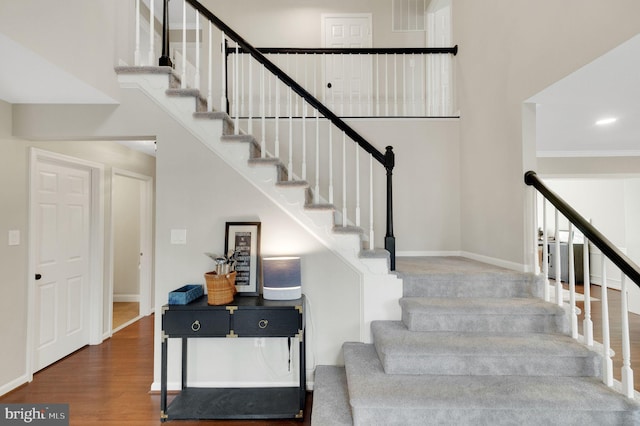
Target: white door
x,y
62,261
348,77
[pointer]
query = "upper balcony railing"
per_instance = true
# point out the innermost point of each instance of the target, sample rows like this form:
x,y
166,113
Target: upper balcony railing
x,y
363,82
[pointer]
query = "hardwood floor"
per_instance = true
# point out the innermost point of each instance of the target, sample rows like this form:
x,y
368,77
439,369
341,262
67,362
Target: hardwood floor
x,y
124,312
109,384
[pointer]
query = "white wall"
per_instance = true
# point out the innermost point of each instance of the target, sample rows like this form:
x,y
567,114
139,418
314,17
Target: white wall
x,y
298,23
510,50
13,259
126,238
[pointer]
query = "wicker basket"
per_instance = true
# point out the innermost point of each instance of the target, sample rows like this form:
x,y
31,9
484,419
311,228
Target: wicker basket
x,y
220,288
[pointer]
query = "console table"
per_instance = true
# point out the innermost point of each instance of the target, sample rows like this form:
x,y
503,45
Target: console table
x,y
246,316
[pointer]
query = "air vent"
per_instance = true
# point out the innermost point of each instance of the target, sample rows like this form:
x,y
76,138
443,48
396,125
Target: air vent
x,y
408,15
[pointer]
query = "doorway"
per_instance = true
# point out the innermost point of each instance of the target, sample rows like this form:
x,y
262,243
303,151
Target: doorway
x,y
348,78
65,259
131,248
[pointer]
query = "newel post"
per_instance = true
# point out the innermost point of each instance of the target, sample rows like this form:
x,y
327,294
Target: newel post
x,y
165,60
389,239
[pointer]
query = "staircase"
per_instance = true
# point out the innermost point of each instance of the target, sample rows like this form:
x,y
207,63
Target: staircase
x,y
476,346
295,197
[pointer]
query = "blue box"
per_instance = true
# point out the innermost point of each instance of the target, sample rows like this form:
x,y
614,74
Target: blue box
x,y
185,294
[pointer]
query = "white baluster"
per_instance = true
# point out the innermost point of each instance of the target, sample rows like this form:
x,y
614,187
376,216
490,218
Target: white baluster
x,y
152,32
277,120
377,87
536,245
290,165
316,195
386,85
347,84
371,235
263,119
423,87
361,57
269,95
196,83
304,139
413,84
183,75
395,84
242,78
587,324
607,367
136,52
357,186
404,84
545,252
627,372
223,73
236,103
330,163
210,73
557,261
344,179
250,122
572,286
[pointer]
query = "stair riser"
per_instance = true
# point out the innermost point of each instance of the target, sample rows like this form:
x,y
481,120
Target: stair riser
x,y
474,417
499,366
485,323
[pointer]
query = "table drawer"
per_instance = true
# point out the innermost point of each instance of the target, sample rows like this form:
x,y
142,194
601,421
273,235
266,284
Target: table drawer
x,y
196,323
266,322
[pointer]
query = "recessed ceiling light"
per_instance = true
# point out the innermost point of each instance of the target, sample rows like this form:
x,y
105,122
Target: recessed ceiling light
x,y
605,121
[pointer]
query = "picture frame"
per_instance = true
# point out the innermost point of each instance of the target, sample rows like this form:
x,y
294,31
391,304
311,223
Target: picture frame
x,y
244,237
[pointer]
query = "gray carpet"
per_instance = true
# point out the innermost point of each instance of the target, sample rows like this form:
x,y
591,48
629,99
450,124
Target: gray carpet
x,y
475,346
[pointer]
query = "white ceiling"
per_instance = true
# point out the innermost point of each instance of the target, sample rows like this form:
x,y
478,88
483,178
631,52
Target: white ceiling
x,y
568,109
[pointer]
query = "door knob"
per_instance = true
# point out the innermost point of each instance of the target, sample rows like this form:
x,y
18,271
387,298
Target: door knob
x,y
329,85
38,276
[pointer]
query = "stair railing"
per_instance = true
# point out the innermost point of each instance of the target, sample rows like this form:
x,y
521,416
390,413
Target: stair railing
x,y
392,82
609,251
318,128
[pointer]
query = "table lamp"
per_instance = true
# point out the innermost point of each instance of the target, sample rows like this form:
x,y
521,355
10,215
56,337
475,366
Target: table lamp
x,y
281,278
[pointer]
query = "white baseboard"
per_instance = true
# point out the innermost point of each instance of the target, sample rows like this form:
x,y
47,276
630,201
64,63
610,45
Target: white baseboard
x,y
14,384
417,253
126,298
473,256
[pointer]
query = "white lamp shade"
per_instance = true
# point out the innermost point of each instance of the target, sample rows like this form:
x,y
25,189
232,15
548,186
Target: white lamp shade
x,y
281,278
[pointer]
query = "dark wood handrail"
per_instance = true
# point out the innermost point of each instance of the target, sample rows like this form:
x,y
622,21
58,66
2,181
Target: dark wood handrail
x,y
387,159
354,50
626,265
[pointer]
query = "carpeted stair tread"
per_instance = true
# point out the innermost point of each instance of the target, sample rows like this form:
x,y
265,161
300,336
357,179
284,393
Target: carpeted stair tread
x,y
478,315
477,284
330,397
402,351
385,399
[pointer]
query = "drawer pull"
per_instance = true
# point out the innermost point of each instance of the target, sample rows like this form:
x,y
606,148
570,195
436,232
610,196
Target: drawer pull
x,y
263,323
195,326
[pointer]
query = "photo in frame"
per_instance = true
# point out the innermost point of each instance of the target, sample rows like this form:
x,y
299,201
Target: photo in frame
x,y
244,238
